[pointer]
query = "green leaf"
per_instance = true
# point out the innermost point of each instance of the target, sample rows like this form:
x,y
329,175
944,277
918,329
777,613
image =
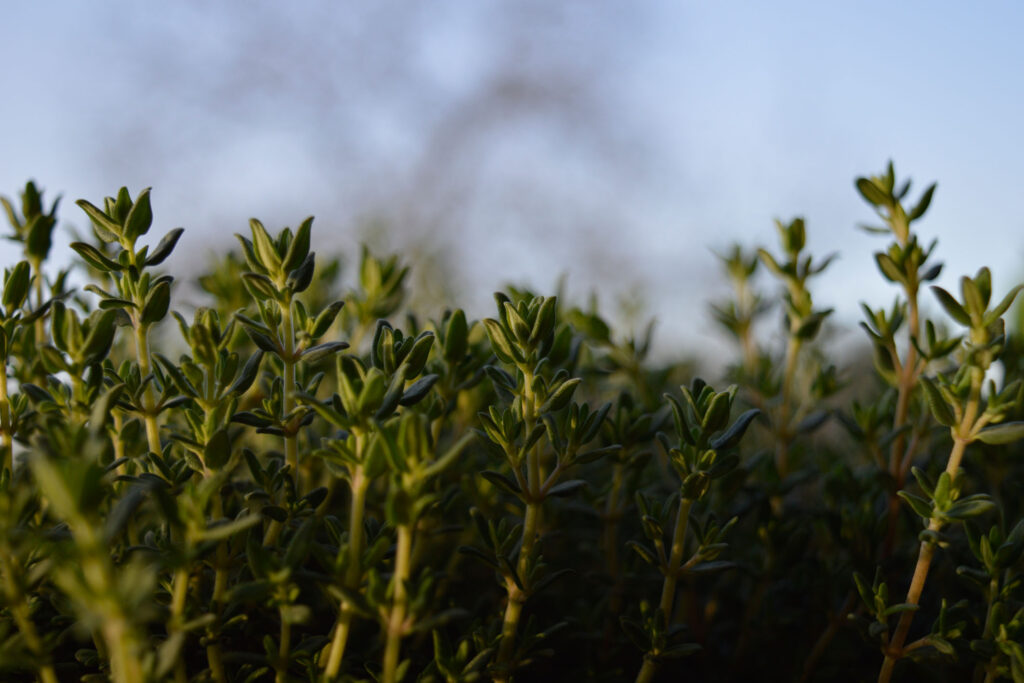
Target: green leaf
x,y
219,532
561,396
969,507
567,488
248,375
139,218
165,247
98,341
107,229
262,341
500,344
717,414
731,437
1003,305
326,318
456,338
900,608
544,324
872,193
889,269
417,358
418,390
16,286
315,353
644,552
260,286
298,250
157,302
503,482
217,450
922,204
921,507
301,278
1002,433
952,306
95,258
263,246
940,409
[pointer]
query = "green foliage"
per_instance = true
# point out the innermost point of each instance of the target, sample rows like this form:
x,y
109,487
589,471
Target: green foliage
x,y
312,488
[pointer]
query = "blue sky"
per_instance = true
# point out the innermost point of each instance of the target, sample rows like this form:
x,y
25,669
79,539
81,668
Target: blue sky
x,y
617,142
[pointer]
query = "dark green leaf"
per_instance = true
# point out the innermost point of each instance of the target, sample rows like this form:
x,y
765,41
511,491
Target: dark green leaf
x,y
940,409
952,306
1002,433
731,437
922,204
217,451
107,229
567,488
872,193
165,247
139,217
157,302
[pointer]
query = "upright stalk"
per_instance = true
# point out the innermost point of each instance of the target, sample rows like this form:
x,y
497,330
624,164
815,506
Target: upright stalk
x,y
783,437
291,449
399,603
148,404
5,422
179,592
961,438
124,665
516,595
283,649
360,483
668,589
898,458
214,657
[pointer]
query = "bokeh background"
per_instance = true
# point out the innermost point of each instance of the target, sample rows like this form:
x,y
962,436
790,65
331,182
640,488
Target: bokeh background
x,y
615,143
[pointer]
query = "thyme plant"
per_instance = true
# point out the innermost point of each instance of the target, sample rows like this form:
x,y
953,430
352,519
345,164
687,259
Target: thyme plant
x,y
305,480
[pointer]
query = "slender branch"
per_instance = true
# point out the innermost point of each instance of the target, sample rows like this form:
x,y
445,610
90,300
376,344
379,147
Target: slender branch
x,y
961,437
148,401
396,619
668,589
353,571
288,339
5,423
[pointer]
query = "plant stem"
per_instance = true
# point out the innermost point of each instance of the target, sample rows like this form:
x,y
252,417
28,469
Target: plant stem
x,y
910,372
5,423
142,351
214,656
283,651
612,517
516,595
668,589
179,591
984,670
291,449
961,438
396,620
783,437
353,570
124,664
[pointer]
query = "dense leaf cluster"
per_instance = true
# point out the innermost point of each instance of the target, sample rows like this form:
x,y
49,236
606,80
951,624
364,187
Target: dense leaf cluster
x,y
298,482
